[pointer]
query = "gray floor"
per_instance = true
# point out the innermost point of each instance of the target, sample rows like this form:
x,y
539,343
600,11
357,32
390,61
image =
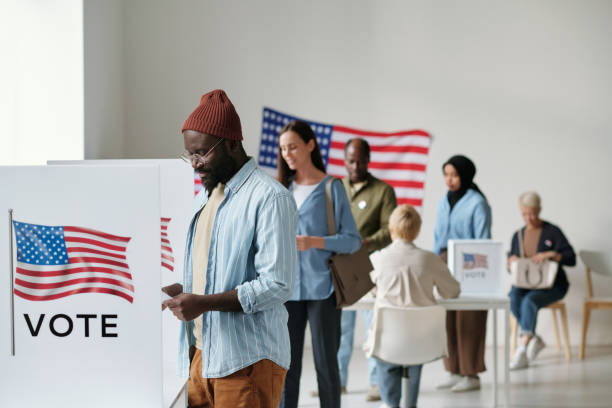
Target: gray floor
x,y
550,382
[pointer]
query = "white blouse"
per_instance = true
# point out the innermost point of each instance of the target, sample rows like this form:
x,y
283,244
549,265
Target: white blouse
x,y
301,191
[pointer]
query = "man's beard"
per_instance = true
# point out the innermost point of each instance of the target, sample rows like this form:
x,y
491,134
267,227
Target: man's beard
x,y
220,173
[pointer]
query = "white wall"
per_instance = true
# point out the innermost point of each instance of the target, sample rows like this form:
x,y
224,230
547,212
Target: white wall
x,y
41,78
523,88
103,36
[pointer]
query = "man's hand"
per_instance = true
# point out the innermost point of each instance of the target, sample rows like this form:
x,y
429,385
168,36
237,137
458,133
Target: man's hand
x,y
173,290
186,306
365,244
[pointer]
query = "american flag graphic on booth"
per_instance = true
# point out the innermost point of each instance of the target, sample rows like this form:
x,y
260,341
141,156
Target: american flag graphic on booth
x,y
398,158
58,261
475,261
167,259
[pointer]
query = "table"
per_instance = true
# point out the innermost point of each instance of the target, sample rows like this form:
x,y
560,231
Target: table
x,y
494,304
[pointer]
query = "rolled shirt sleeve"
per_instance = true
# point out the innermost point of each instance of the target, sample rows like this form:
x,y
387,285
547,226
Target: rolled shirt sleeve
x,y
276,260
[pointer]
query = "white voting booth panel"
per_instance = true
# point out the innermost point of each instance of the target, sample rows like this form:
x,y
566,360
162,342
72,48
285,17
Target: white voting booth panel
x,y
478,265
176,189
93,349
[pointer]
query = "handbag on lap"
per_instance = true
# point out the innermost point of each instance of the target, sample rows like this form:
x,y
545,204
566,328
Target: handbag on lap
x,y
527,274
350,272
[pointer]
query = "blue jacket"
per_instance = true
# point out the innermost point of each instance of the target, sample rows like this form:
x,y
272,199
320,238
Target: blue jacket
x,y
313,280
469,219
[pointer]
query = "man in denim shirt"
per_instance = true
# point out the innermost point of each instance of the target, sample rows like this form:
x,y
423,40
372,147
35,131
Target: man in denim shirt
x,y
240,266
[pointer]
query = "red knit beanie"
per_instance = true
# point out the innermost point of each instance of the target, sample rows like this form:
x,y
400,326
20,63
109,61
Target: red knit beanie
x,y
215,116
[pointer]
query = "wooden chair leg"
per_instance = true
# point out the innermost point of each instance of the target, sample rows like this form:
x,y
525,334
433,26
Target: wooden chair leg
x,y
556,327
568,351
513,333
586,314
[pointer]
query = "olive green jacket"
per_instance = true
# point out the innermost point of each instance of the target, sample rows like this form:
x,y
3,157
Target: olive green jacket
x,y
371,206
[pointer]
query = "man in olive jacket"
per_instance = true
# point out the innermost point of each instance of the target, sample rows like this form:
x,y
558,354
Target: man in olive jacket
x,y
372,201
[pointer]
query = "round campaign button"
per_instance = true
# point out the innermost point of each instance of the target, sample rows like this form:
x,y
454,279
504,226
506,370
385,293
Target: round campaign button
x,y
362,204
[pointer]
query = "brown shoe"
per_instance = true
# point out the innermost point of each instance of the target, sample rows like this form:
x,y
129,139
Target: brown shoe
x,y
373,394
315,393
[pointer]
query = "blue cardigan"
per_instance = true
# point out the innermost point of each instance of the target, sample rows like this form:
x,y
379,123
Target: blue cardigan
x,y
469,219
313,280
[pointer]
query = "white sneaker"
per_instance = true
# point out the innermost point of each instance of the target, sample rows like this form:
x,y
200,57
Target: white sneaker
x,y
384,406
535,345
519,360
373,393
467,384
450,381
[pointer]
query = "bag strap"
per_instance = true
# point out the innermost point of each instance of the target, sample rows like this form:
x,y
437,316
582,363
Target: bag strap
x,y
329,208
520,239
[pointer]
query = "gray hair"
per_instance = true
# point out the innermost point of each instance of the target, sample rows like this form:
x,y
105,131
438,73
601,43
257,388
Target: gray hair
x,y
530,199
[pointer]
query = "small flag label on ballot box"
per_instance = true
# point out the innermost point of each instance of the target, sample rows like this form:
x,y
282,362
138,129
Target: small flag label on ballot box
x,y
58,261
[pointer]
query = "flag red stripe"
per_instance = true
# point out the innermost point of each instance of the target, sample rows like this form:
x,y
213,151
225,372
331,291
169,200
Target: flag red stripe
x,y
74,292
384,165
168,266
91,259
164,227
98,233
164,234
408,183
55,285
387,149
415,202
167,257
165,241
166,248
357,132
93,242
95,251
165,219
67,271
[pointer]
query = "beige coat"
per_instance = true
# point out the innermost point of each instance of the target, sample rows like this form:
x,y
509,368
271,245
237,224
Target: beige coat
x,y
405,276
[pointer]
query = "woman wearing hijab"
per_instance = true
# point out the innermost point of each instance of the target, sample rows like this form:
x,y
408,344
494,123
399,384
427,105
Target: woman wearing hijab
x,y
463,213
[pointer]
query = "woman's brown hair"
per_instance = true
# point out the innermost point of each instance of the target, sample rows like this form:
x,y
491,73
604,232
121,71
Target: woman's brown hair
x,y
303,129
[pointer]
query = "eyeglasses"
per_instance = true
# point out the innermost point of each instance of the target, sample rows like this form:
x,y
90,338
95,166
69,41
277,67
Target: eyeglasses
x,y
189,158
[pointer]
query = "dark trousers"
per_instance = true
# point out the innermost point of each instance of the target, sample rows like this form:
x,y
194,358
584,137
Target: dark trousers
x,y
324,321
466,332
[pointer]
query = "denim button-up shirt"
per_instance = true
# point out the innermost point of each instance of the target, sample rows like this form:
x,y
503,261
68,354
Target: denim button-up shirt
x,y
314,280
252,249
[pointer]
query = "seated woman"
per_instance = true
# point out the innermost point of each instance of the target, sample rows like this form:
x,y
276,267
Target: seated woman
x,y
405,276
541,241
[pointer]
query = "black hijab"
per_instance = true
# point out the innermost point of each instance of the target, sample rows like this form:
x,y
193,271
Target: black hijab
x,y
466,170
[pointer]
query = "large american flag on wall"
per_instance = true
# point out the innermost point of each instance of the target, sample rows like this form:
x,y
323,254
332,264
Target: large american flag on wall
x,y
58,261
398,158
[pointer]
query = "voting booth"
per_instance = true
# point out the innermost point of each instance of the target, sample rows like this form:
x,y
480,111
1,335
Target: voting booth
x,y
84,260
478,265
